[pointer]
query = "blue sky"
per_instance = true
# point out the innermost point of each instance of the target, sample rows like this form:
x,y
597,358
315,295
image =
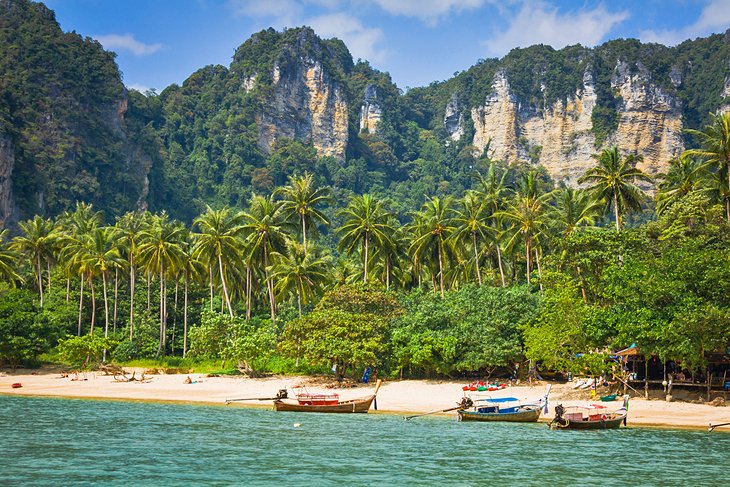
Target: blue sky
x,y
160,42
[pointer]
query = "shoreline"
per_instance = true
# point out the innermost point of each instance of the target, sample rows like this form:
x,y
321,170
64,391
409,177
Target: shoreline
x,y
398,397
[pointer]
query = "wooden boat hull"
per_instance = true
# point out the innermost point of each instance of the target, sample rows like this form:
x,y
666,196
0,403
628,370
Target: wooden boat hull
x,y
361,405
601,424
525,416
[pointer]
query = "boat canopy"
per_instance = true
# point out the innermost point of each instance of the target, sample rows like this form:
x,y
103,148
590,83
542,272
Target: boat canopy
x,y
498,399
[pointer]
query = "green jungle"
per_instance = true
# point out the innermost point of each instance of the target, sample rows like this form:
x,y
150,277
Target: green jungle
x,y
167,236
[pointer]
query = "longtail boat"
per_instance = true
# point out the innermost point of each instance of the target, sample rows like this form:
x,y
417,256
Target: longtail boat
x,y
326,403
593,417
503,409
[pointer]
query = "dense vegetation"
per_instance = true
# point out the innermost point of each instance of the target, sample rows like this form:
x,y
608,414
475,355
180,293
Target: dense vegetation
x,y
165,230
507,272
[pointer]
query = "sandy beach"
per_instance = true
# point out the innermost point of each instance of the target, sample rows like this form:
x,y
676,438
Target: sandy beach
x,y
399,397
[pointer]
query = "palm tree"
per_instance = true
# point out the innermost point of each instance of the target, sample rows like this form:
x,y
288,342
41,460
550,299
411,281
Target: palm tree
x,y
9,259
130,226
161,251
37,242
102,252
432,231
470,225
573,208
301,198
715,148
686,174
299,272
612,181
526,215
218,241
191,268
263,224
366,223
494,190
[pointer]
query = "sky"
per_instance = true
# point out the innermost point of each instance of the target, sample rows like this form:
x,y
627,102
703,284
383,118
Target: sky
x,y
160,42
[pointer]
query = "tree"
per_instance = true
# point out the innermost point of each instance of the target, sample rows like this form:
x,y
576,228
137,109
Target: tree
x,y
130,226
715,148
9,260
686,175
300,201
432,229
37,242
366,220
161,252
612,181
218,241
470,226
263,224
299,272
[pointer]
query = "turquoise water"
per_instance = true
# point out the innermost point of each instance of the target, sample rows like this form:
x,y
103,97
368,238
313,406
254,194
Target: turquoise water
x,y
70,442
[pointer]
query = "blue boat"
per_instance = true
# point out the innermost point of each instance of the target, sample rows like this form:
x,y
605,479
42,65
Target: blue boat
x,y
504,409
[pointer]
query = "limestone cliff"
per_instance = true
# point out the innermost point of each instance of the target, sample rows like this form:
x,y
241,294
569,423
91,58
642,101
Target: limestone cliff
x,y
370,110
559,135
306,103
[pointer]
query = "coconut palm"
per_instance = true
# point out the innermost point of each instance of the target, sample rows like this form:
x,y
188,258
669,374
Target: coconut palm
x,y
612,181
470,226
300,201
432,232
218,241
130,226
685,175
494,191
714,148
102,253
9,258
37,242
573,208
367,223
263,224
161,252
299,272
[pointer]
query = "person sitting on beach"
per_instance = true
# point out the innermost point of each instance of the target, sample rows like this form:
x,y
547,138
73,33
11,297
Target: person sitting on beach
x,y
188,380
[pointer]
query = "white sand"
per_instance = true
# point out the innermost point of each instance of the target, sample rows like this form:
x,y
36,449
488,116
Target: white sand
x,y
408,396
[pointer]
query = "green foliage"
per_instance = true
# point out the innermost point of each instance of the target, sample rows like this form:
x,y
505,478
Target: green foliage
x,y
24,334
83,351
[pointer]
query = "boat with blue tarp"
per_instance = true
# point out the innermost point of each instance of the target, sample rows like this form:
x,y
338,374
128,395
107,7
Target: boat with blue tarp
x,y
504,409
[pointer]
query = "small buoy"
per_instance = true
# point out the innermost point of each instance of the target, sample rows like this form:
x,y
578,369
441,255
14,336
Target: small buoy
x,y
297,425
17,385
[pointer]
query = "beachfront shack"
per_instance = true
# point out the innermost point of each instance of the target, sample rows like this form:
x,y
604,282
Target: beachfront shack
x,y
645,370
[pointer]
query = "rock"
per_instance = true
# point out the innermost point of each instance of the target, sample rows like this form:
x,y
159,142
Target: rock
x,y
370,111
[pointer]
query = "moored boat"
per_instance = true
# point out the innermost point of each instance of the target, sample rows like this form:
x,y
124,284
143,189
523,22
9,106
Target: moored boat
x,y
503,409
593,417
326,403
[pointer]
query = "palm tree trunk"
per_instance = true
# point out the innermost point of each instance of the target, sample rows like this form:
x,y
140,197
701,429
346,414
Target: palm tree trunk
x,y
476,257
185,316
299,301
40,278
149,281
615,211
81,303
116,296
304,233
365,262
93,304
441,271
269,286
248,291
539,269
225,288
106,312
174,319
131,295
499,262
162,311
527,258
48,269
210,286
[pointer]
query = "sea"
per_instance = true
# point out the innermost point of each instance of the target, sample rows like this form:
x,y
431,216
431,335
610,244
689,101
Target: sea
x,y
61,442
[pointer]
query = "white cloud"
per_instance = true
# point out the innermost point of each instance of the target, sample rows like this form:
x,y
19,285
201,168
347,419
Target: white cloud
x,y
362,41
127,42
715,17
542,23
428,10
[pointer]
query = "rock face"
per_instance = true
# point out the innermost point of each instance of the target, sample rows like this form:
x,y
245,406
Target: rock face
x,y
7,163
305,104
370,111
454,119
560,136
